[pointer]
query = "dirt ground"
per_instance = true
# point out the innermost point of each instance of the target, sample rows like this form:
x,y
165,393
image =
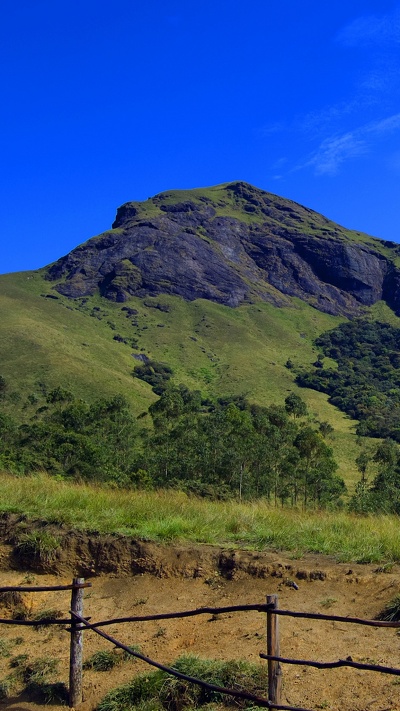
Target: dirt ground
x,y
187,577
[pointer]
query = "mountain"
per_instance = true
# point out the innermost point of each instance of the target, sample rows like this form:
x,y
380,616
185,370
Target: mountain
x,y
232,244
222,284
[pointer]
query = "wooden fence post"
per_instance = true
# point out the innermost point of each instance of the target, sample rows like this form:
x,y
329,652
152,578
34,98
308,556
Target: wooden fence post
x,y
274,668
76,647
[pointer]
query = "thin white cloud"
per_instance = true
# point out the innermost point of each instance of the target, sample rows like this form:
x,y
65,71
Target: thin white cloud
x,y
371,30
332,152
336,150
334,133
391,123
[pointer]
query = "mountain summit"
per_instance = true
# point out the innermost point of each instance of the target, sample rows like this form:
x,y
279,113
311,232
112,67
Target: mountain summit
x,y
232,244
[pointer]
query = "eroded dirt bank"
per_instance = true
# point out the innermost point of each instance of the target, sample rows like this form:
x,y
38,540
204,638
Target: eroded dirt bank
x,y
136,577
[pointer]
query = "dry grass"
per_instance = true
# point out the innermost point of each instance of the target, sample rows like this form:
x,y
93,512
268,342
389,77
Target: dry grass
x,y
174,516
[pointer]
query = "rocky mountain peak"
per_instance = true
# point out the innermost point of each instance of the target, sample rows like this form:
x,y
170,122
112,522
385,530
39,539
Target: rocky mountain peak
x,y
232,243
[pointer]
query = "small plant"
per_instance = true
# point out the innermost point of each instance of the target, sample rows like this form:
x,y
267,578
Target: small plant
x,y
129,657
48,693
39,545
140,601
33,678
9,686
385,568
45,617
161,632
28,579
391,611
4,648
19,662
104,660
20,613
11,599
328,602
40,669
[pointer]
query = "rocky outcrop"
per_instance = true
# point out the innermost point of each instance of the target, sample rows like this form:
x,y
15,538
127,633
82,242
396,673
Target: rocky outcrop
x,y
231,244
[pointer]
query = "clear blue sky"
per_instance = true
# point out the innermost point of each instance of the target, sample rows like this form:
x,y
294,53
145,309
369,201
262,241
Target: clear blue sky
x,y
105,102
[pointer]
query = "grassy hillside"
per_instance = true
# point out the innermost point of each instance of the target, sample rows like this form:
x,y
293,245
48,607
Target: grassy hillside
x,y
46,341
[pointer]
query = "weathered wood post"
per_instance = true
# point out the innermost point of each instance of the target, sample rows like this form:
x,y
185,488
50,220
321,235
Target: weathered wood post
x,y
273,648
76,647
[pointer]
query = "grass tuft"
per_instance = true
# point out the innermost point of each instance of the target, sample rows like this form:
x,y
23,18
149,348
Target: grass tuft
x,y
39,545
391,611
103,660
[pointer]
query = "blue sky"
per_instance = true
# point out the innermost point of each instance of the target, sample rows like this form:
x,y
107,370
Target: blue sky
x,y
108,102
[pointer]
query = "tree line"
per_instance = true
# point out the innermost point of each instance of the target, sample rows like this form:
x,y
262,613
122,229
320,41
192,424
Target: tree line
x,y
220,449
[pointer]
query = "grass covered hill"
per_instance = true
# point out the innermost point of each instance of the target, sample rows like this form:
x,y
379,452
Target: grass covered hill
x,y
223,285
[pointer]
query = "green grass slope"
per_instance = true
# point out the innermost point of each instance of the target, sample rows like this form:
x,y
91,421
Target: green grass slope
x,y
50,342
47,341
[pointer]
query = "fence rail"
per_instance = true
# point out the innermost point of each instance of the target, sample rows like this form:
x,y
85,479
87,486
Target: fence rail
x,y
44,588
260,701
333,665
78,623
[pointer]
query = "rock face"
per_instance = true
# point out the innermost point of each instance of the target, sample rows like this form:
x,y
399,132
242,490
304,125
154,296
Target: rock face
x,y
232,244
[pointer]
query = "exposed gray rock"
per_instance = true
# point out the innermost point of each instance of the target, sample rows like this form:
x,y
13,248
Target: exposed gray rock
x,y
243,245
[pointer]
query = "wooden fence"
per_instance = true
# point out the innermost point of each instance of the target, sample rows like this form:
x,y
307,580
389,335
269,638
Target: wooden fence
x,y
78,624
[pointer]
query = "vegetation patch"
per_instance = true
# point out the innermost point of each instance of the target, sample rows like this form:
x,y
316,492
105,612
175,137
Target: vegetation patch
x,y
391,611
366,382
40,546
35,679
157,691
214,448
154,373
170,515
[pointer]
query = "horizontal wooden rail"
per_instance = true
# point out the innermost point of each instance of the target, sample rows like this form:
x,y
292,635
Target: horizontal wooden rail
x,y
258,700
333,665
337,618
43,588
243,608
187,613
36,623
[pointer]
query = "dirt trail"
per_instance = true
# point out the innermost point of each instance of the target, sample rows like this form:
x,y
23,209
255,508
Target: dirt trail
x,y
131,577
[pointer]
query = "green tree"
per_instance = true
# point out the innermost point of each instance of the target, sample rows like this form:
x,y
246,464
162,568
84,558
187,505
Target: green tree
x,y
295,406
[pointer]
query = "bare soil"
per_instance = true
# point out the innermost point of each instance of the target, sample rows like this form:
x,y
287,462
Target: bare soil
x,y
135,577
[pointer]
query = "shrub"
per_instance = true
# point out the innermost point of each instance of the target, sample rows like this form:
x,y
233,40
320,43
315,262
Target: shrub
x,y
11,599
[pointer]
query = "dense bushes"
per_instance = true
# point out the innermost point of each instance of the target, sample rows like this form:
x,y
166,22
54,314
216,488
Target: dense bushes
x,y
69,437
366,383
